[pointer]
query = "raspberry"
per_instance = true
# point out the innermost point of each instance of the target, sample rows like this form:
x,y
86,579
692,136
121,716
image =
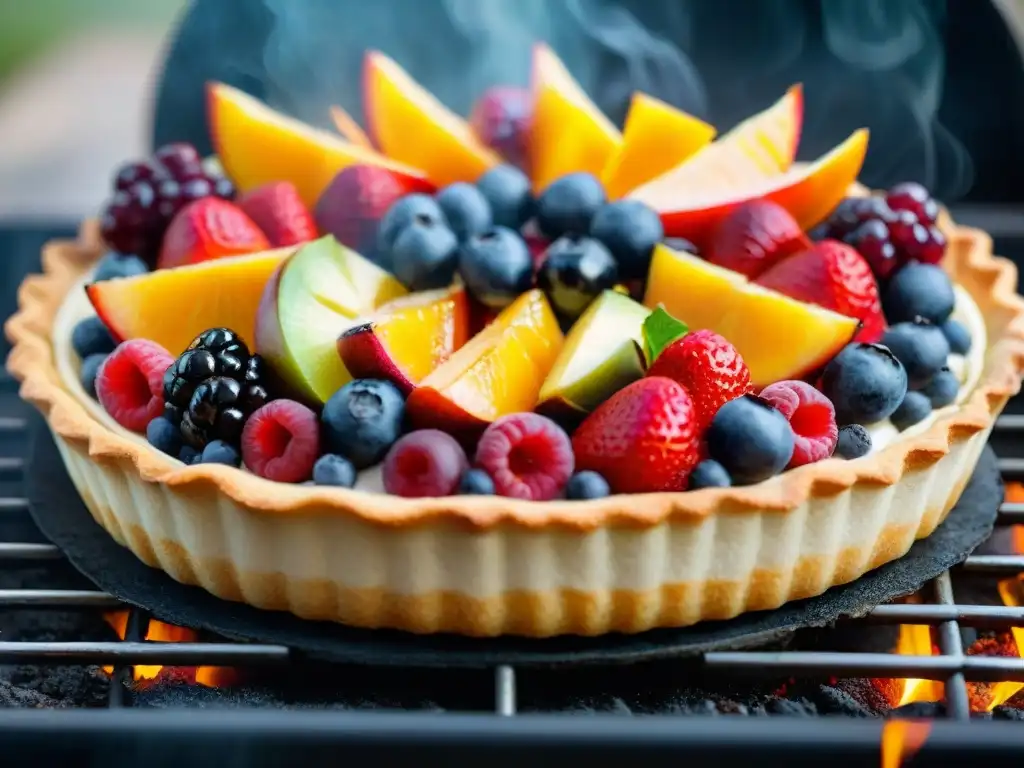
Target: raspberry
x,y
527,455
281,441
129,384
812,417
709,367
425,463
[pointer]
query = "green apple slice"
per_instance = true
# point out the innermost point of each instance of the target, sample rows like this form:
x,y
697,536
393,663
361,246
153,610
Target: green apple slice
x,y
316,295
601,355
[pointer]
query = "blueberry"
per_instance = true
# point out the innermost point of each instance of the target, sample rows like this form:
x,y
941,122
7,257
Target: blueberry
x,y
575,271
219,452
334,470
922,349
750,439
915,408
362,420
854,441
425,255
466,209
587,485
91,337
958,336
88,372
402,214
476,482
164,435
681,244
508,191
629,230
919,290
865,382
709,474
119,265
496,266
568,205
188,455
942,389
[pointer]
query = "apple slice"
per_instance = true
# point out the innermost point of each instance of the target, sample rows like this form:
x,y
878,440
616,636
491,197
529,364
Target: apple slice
x,y
257,145
778,337
693,207
601,355
410,125
349,128
499,371
407,338
657,137
173,306
312,298
569,132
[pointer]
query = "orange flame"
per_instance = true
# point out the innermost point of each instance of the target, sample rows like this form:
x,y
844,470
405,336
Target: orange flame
x,y
159,632
901,739
916,640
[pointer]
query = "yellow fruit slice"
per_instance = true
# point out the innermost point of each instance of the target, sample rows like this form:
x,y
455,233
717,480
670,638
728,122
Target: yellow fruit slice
x,y
569,132
657,137
778,337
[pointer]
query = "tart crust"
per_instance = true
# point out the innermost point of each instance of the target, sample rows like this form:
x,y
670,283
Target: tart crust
x,y
487,566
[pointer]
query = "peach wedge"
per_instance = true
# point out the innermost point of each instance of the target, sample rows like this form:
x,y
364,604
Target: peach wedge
x,y
407,338
499,371
778,337
257,145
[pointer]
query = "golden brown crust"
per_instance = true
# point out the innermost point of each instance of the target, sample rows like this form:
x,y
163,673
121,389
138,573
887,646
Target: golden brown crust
x,y
989,279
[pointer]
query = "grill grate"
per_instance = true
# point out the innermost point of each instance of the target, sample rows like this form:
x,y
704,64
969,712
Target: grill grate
x,y
952,666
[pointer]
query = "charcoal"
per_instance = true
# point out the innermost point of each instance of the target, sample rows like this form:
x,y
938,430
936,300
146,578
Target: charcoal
x,y
1008,713
930,709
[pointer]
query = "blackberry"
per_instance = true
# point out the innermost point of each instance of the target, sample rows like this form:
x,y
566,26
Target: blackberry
x,y
215,412
213,387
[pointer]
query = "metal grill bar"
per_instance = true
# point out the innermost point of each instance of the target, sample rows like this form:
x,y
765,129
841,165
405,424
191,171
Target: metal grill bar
x,y
56,598
1012,469
885,665
11,467
951,645
1011,514
978,616
505,691
12,424
13,504
136,627
168,654
29,552
1007,565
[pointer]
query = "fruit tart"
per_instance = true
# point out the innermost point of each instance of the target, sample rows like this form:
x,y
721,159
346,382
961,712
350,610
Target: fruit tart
x,y
522,373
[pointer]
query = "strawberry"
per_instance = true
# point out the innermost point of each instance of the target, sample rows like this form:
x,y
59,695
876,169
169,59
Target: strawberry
x,y
209,228
709,367
754,237
832,275
356,200
642,439
278,210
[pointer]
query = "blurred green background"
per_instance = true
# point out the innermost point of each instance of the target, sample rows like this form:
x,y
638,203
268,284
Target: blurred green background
x,y
28,28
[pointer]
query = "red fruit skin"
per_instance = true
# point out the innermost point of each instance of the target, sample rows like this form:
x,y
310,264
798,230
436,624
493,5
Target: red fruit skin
x,y
812,417
210,228
355,201
643,439
755,237
130,383
281,441
710,368
501,119
279,211
528,456
832,275
423,464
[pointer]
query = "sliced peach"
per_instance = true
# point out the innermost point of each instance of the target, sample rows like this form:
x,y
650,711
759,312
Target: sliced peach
x,y
499,371
257,145
657,137
778,337
693,207
349,128
406,339
173,306
410,125
569,132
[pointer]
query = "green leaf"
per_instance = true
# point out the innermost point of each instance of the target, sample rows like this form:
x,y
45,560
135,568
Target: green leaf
x,y
660,330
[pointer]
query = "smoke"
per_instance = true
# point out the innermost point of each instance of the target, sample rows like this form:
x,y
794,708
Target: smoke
x,y
874,63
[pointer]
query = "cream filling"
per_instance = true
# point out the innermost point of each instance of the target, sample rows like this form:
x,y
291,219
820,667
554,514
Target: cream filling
x,y
77,307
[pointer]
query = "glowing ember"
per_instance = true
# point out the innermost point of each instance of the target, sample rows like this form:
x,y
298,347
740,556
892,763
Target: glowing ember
x,y
159,632
901,739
